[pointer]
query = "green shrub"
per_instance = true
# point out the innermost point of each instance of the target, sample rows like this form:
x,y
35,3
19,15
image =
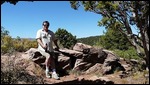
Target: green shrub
x,y
7,44
127,54
113,39
66,39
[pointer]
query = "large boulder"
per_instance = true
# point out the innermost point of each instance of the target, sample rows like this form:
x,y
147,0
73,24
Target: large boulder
x,y
35,55
111,64
63,63
82,58
82,47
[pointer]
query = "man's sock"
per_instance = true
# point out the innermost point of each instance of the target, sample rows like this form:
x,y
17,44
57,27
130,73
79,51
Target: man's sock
x,y
54,71
47,73
47,69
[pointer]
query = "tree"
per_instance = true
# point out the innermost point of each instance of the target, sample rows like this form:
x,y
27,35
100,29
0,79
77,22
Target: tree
x,y
18,38
123,15
3,33
7,46
66,39
113,39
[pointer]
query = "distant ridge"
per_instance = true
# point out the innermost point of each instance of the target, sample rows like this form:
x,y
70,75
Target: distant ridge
x,y
27,38
91,40
90,37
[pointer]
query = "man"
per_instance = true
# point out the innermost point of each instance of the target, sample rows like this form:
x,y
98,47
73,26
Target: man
x,y
44,38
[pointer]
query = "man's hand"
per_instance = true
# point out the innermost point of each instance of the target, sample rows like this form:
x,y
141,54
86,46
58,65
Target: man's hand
x,y
42,45
56,48
45,46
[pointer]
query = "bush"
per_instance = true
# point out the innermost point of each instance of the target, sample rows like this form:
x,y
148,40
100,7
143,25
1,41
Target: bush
x,y
113,39
7,44
127,54
21,45
66,39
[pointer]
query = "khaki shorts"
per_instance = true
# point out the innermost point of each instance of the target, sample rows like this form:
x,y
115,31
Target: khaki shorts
x,y
47,54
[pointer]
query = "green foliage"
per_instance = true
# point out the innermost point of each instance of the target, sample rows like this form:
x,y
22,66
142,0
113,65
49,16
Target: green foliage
x,y
127,54
10,45
74,5
92,40
113,39
7,44
4,32
67,40
121,15
6,41
119,45
22,45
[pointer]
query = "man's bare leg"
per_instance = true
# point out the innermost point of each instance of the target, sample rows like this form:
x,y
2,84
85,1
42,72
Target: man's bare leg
x,y
47,61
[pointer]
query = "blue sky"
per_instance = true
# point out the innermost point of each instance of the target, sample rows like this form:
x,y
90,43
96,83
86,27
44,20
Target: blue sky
x,y
25,18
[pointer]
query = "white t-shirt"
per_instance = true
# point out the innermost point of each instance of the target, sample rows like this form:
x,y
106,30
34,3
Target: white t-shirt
x,y
46,38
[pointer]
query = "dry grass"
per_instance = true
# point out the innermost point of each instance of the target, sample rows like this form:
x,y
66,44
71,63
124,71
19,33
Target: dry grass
x,y
75,72
135,78
39,71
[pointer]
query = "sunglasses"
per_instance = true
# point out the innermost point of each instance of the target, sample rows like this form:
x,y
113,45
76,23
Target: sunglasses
x,y
45,25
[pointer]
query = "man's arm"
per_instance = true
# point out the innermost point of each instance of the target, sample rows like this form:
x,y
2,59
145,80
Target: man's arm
x,y
40,42
55,42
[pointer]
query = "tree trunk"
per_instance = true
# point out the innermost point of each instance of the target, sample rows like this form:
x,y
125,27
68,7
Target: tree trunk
x,y
145,41
133,39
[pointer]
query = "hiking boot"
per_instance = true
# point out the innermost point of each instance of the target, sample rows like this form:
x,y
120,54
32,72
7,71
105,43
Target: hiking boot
x,y
47,74
55,76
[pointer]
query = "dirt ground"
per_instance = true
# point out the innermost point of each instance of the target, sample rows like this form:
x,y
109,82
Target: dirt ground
x,y
137,78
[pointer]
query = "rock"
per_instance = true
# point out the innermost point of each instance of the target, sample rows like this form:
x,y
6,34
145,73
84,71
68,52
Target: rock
x,y
81,47
134,61
82,58
63,63
111,63
71,53
102,80
94,68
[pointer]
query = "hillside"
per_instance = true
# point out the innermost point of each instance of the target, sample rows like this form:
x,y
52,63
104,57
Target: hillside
x,y
91,40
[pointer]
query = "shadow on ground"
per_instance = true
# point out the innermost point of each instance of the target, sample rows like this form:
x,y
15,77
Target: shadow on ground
x,y
85,82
